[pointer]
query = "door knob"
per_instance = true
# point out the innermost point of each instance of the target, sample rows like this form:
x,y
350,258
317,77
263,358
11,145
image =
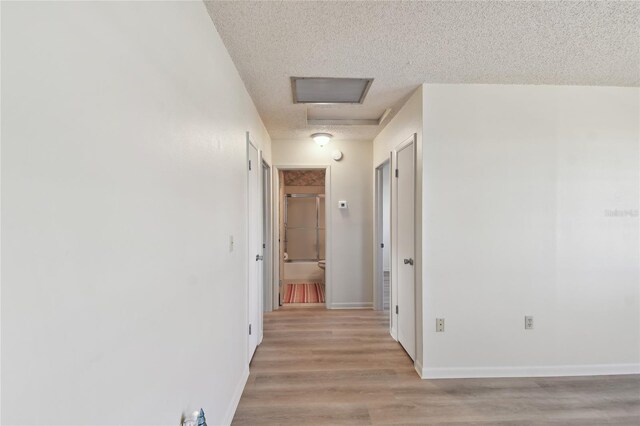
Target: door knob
x,y
258,257
408,261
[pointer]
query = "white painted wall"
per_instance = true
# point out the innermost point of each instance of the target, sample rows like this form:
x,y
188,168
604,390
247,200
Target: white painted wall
x,y
350,239
123,175
405,123
517,184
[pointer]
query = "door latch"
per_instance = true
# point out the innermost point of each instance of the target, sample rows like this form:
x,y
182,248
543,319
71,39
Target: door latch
x,y
408,261
258,257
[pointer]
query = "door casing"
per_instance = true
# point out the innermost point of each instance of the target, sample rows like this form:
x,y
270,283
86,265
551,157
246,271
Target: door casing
x,y
378,253
267,232
276,227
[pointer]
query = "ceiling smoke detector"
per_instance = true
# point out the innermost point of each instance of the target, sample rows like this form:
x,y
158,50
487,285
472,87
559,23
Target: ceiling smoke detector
x,y
329,90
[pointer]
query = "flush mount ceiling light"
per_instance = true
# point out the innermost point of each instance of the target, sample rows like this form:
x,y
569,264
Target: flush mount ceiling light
x,y
322,138
329,90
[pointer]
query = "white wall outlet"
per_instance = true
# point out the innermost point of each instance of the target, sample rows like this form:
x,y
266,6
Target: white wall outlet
x,y
528,322
343,205
440,325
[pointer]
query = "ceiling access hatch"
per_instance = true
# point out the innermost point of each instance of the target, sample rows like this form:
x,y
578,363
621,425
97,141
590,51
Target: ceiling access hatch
x,y
329,90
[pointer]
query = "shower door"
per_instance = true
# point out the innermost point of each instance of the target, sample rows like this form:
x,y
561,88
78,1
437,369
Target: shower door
x,y
304,227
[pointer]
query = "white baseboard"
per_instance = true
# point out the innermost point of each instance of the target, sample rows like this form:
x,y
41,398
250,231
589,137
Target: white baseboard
x,y
235,398
418,366
392,332
535,371
351,305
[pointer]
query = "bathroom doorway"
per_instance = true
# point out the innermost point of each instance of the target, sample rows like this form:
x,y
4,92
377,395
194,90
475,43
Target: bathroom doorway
x,y
302,230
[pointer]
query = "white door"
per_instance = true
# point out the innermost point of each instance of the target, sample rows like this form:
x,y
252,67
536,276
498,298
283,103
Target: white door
x,y
254,249
406,316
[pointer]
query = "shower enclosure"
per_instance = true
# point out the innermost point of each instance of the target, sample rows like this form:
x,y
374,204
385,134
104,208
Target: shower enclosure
x,y
304,231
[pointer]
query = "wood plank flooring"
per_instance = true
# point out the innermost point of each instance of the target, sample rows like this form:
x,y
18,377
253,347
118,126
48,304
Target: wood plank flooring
x,y
319,367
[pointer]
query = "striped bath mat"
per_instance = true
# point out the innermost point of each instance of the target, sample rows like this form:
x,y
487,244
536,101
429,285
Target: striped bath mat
x,y
304,293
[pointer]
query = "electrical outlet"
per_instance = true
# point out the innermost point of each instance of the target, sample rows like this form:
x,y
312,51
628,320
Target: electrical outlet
x,y
440,325
528,323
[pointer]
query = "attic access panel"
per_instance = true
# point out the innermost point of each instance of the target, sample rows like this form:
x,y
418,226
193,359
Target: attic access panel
x,y
329,90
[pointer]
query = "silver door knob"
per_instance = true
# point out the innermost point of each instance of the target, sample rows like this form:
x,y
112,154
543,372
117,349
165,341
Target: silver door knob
x,y
408,261
258,257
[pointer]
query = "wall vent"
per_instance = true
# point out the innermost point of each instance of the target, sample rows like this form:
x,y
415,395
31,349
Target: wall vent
x,y
342,117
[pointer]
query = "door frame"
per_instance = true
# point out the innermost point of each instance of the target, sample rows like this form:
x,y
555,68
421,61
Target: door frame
x,y
378,236
267,232
328,251
394,235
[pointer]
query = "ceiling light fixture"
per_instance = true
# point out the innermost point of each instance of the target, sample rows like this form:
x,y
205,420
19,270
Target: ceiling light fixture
x,y
322,138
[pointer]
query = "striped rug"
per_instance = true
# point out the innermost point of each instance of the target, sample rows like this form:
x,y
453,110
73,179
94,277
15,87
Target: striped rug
x,y
304,293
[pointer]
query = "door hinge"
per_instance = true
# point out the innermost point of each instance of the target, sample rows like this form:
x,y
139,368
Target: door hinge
x,y
249,329
381,245
264,245
396,172
249,164
397,311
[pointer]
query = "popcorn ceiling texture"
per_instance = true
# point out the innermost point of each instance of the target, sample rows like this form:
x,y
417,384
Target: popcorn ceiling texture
x,y
304,177
405,44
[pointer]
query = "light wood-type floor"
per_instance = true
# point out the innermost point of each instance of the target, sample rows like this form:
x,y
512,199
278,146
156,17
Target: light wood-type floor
x,y
341,367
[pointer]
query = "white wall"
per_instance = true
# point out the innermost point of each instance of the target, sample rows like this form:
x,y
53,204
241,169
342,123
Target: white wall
x,y
351,281
123,175
407,122
518,184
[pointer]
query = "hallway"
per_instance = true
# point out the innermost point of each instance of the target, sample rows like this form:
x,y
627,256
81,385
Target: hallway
x,y
319,366
172,170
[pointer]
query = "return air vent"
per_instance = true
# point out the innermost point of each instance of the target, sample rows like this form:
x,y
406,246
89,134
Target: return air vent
x,y
319,90
345,116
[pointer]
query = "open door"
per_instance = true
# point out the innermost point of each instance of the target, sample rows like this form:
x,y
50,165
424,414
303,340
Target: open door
x,y
405,251
267,275
382,290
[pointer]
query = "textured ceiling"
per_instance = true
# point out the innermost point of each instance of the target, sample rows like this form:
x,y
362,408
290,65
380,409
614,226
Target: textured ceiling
x,y
303,177
404,44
